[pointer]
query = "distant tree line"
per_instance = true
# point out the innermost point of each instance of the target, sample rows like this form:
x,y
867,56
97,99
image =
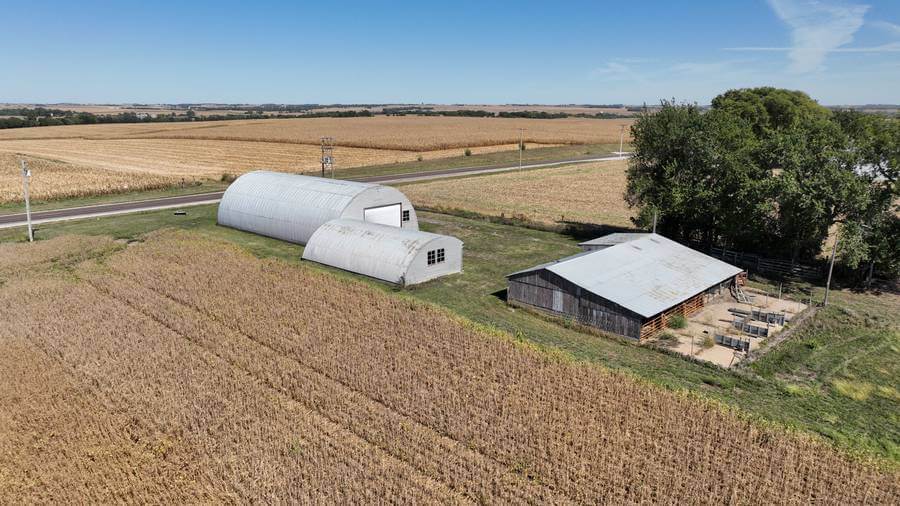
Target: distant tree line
x,y
479,113
55,117
41,116
37,117
770,171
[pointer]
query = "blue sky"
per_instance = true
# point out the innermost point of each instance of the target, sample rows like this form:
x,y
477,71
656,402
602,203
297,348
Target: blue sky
x,y
448,52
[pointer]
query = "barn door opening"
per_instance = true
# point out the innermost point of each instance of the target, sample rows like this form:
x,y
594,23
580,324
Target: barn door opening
x,y
557,301
384,215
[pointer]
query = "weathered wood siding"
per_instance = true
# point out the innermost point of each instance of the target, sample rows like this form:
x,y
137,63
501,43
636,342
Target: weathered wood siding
x,y
718,292
545,290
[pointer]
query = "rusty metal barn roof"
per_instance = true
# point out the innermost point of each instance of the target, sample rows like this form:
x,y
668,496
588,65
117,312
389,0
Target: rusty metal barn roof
x,y
646,275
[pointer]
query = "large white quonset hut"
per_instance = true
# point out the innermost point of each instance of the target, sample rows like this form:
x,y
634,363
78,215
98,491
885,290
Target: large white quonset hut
x,y
397,255
291,207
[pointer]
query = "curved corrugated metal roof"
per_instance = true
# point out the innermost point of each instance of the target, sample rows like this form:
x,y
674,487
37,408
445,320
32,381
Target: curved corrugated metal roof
x,y
291,207
378,251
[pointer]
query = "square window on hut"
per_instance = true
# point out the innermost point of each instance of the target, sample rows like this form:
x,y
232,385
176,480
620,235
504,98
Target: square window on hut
x,y
405,215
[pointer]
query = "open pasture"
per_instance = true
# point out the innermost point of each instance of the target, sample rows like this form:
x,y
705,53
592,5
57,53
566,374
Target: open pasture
x,y
591,193
306,386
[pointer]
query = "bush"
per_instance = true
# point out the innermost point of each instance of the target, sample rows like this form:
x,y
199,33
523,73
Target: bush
x,y
677,322
468,152
419,158
668,338
707,341
228,178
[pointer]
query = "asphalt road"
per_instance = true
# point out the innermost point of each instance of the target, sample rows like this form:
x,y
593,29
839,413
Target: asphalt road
x,y
74,213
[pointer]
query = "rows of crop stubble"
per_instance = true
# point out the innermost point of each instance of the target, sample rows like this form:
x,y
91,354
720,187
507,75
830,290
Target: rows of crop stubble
x,y
55,179
406,133
586,193
80,160
271,390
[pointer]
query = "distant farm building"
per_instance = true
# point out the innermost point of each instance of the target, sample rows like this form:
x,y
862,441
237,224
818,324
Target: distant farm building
x,y
291,207
629,284
400,256
364,228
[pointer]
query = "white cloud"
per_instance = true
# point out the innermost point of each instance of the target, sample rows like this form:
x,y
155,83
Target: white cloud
x,y
817,28
891,28
891,47
619,69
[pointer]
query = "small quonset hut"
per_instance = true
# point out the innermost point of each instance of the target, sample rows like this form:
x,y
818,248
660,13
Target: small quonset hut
x,y
291,207
397,255
631,286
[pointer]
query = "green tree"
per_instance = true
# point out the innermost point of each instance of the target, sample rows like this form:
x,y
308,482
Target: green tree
x,y
764,170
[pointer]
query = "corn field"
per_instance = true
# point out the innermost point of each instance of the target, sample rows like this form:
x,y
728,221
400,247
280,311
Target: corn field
x,y
58,180
183,370
402,133
586,193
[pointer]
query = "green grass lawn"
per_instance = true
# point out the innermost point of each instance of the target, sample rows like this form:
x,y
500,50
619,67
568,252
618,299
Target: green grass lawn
x,y
838,377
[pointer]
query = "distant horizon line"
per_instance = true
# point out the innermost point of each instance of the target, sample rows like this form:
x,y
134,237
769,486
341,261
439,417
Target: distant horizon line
x,y
381,104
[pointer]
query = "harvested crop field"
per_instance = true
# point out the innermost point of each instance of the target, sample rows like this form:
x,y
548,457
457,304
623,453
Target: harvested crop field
x,y
404,133
206,150
78,167
147,377
587,193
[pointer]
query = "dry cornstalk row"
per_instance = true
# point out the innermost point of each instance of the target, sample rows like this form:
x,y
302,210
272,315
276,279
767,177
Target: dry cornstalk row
x,y
57,180
397,133
584,432
440,457
84,450
241,439
585,193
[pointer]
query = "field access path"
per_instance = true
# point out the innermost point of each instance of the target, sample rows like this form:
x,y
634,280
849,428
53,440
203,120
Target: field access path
x,y
92,211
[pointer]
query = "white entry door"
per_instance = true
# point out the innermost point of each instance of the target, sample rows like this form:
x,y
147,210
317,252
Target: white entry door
x,y
384,215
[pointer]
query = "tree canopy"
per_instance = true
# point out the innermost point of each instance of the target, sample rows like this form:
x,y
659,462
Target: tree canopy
x,y
770,171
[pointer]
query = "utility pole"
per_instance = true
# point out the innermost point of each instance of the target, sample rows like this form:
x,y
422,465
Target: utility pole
x,y
621,151
621,139
327,155
521,146
26,175
837,237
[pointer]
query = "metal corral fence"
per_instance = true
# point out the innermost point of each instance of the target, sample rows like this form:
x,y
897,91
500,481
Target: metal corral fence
x,y
748,328
755,263
737,343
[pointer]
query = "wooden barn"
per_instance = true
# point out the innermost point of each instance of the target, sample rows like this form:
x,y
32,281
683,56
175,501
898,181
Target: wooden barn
x,y
630,287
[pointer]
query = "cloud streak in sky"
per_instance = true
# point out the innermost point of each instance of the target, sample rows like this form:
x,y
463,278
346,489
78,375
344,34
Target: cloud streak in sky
x,y
817,29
